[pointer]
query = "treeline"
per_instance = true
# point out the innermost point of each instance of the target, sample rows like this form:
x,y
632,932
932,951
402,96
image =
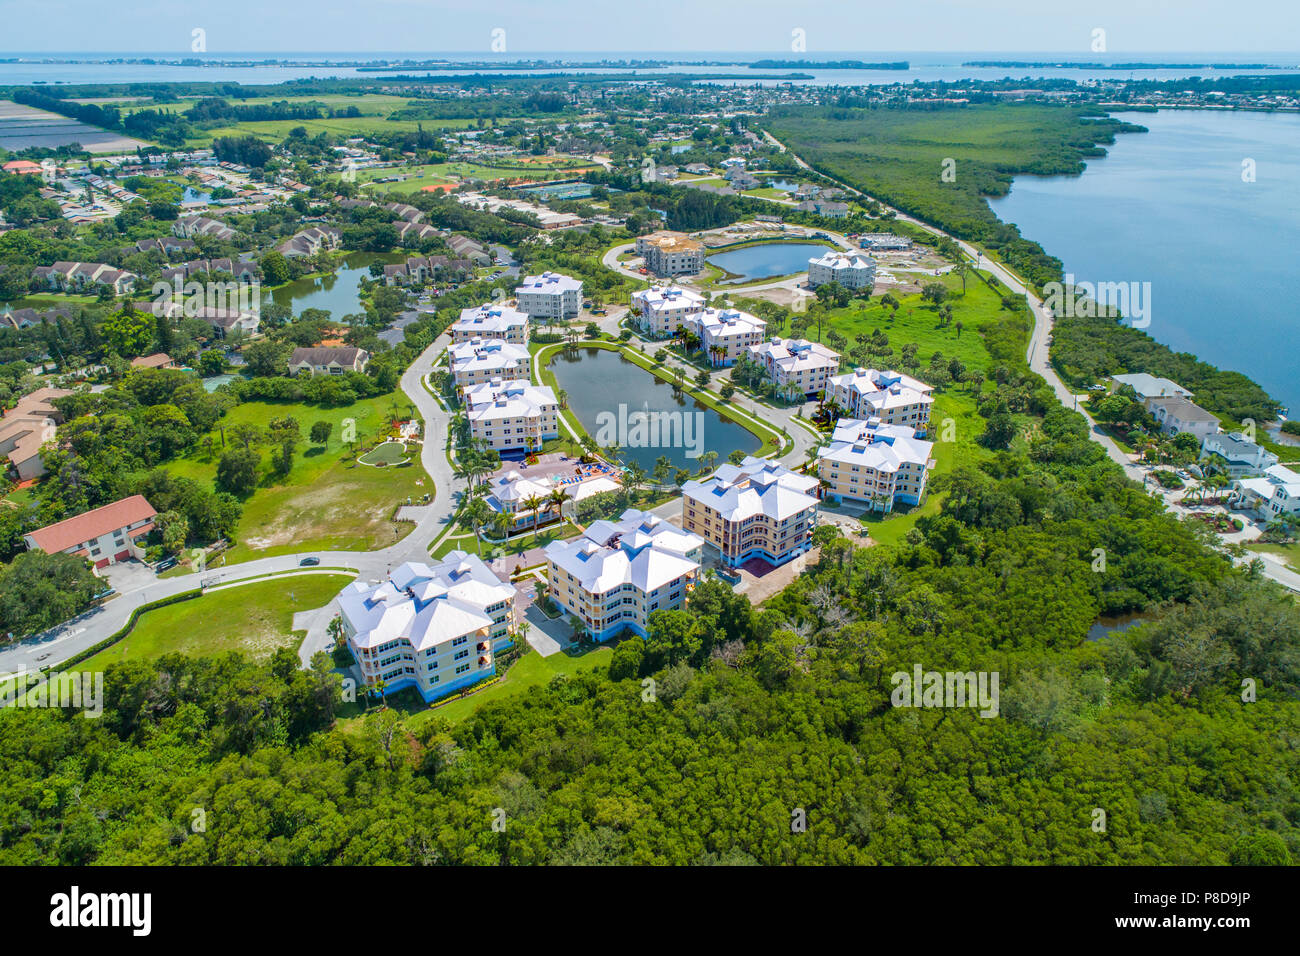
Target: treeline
x,y
940,164
1085,350
216,109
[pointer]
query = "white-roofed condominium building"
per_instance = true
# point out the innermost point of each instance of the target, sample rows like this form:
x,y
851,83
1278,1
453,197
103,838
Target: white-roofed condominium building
x,y
853,270
659,310
512,416
724,335
757,509
550,296
620,572
481,361
797,365
491,322
436,628
892,397
876,463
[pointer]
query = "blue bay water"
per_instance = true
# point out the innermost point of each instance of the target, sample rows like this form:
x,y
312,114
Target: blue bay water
x,y
1170,207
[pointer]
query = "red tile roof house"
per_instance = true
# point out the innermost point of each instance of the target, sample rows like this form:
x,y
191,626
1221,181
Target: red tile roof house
x,y
105,536
22,167
26,427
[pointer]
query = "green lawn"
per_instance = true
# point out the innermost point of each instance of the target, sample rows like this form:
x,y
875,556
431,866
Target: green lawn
x,y
979,309
531,670
389,453
1290,553
326,500
254,619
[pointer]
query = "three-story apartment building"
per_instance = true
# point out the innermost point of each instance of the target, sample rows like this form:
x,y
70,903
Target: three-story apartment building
x,y
490,321
892,397
482,361
662,308
512,416
725,334
550,296
797,365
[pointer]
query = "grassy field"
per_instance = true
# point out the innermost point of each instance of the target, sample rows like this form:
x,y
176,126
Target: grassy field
x,y
375,110
978,309
254,619
531,670
326,500
430,175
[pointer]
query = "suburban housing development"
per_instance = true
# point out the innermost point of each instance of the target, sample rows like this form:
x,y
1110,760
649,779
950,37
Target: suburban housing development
x,y
491,322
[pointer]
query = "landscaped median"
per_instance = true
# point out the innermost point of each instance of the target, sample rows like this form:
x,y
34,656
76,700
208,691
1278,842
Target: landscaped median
x,y
773,441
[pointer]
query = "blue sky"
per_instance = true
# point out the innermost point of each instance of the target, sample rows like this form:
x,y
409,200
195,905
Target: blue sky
x,y
858,26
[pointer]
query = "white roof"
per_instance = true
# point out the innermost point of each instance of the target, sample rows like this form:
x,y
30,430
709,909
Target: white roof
x,y
486,354
754,487
833,259
640,549
549,283
1150,386
424,604
720,323
497,399
796,355
874,445
659,298
490,318
884,389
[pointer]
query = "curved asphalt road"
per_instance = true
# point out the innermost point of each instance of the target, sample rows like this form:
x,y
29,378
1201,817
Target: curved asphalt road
x,y
60,643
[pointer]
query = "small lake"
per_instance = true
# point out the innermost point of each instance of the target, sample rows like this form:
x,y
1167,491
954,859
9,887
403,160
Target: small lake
x,y
337,294
1117,624
599,382
766,260
782,184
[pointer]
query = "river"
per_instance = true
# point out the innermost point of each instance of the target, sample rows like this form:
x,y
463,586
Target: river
x,y
1171,207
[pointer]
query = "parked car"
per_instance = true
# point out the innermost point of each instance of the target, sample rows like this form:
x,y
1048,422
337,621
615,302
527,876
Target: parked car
x,y
308,562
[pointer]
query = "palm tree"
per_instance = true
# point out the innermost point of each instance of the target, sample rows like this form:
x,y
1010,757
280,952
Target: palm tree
x,y
477,513
562,397
533,503
633,478
558,497
502,524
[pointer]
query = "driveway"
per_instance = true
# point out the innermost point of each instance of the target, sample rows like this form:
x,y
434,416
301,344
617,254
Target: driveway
x,y
545,636
128,576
